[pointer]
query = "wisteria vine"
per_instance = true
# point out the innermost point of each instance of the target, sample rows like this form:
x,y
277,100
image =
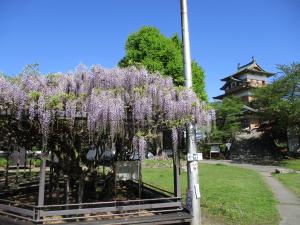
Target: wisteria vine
x,y
111,100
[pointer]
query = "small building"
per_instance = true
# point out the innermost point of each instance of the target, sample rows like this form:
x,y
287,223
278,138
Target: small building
x,y
215,150
240,84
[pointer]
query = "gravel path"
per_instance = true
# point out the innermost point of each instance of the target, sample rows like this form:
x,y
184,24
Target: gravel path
x,y
288,203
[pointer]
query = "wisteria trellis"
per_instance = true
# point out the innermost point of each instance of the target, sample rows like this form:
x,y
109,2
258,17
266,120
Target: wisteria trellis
x,y
113,101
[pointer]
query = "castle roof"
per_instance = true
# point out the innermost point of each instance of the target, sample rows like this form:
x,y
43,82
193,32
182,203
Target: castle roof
x,y
251,67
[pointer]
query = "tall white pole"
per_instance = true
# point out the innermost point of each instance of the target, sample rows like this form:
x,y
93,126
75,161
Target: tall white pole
x,y
186,44
193,194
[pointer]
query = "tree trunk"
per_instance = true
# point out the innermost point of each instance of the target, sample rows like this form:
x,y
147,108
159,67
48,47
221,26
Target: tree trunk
x,y
159,144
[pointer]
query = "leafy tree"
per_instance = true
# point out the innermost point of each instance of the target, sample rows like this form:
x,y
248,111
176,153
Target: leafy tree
x,y
151,49
279,102
198,80
229,113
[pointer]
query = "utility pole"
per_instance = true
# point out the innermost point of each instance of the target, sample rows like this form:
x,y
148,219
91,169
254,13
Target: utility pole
x,y
193,193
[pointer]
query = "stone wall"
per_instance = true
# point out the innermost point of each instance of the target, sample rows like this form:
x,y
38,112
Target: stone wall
x,y
253,147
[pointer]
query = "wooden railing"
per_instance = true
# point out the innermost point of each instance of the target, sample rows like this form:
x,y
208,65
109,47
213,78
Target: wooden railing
x,y
80,210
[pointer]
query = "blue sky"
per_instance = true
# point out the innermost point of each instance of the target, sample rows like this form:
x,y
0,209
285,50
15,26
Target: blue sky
x,y
60,34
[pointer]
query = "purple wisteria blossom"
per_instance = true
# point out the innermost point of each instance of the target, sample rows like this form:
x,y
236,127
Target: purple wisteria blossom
x,y
112,102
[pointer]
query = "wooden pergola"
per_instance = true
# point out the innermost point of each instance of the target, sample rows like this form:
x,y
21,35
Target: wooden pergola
x,y
152,206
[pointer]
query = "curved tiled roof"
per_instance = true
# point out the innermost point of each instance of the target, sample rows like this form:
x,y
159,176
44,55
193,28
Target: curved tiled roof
x,y
251,67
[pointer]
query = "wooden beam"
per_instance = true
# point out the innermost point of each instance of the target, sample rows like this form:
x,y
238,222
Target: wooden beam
x,y
41,198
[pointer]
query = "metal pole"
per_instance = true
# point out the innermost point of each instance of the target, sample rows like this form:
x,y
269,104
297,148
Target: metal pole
x,y
186,45
193,194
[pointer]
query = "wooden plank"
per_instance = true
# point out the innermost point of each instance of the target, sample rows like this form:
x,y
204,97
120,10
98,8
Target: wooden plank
x,y
76,211
149,206
16,210
167,218
110,215
138,201
7,219
41,193
3,221
109,209
157,188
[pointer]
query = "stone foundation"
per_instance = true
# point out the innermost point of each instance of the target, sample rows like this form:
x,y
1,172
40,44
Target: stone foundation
x,y
255,147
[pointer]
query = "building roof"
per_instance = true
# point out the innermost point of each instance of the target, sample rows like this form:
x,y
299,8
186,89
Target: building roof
x,y
248,108
220,97
230,78
251,67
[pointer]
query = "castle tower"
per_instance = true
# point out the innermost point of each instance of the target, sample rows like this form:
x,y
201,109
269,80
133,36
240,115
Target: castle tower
x,y
246,78
241,84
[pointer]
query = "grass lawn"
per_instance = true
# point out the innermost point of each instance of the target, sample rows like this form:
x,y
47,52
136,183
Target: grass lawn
x,y
290,163
2,162
291,180
236,195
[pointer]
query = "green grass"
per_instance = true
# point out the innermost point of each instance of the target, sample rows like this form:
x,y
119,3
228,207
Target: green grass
x,y
35,162
2,162
291,181
236,195
157,163
290,163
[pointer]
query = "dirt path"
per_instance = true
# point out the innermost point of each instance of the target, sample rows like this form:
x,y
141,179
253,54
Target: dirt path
x,y
288,203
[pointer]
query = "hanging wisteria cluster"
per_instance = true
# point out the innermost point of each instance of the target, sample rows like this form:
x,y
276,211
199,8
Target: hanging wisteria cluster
x,y
113,101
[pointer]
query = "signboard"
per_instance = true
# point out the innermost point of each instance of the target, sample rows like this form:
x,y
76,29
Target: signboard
x,y
127,170
215,149
17,158
194,157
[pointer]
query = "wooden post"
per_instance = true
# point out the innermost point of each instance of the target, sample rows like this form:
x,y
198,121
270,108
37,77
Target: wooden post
x,y
80,190
42,181
176,170
41,197
140,178
6,169
56,185
51,177
25,164
18,166
67,190
30,165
